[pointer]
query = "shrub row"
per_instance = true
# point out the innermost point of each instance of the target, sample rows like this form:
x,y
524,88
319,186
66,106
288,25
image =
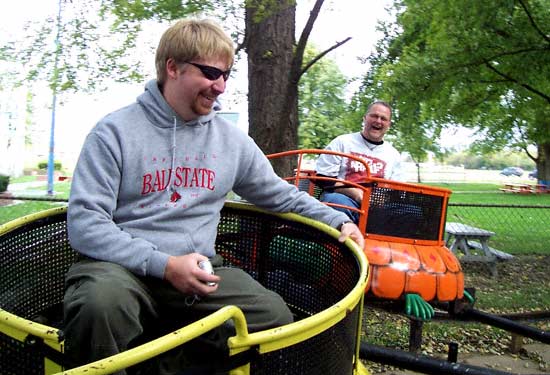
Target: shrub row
x,y
44,165
4,181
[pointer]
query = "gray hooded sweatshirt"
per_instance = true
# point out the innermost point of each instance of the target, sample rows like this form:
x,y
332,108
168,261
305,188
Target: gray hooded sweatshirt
x,y
149,185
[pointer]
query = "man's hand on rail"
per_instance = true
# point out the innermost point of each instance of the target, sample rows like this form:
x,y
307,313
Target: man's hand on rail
x,y
352,231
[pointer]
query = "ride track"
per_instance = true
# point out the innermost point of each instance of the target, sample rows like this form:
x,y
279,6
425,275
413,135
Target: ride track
x,y
399,255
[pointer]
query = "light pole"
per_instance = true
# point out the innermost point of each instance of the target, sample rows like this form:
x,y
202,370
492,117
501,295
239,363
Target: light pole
x,y
53,85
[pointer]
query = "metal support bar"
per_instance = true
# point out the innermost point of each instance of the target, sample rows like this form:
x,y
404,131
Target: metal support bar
x,y
420,363
506,324
452,356
415,335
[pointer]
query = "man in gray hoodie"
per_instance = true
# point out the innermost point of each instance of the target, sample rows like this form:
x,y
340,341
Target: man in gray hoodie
x,y
146,197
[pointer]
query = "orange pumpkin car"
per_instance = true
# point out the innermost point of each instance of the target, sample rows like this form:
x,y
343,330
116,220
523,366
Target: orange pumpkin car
x,y
403,225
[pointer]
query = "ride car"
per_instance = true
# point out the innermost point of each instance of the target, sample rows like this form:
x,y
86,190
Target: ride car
x,y
512,171
533,174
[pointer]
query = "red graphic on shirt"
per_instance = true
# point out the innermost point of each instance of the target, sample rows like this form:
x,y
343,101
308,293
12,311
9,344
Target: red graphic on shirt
x,y
184,177
175,197
355,171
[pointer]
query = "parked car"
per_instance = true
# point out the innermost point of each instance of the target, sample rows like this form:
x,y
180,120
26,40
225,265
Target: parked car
x,y
533,174
512,171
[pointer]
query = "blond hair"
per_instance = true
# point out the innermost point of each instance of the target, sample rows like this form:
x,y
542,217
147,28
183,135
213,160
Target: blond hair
x,y
190,39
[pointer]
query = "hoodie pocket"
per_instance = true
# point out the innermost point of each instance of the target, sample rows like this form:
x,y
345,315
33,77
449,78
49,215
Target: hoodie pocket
x,y
174,243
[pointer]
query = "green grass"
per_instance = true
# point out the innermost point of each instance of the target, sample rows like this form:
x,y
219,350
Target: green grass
x,y
517,230
12,212
14,180
490,194
522,285
61,189
467,187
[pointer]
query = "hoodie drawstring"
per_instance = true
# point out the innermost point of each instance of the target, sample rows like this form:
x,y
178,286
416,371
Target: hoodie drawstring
x,y
174,195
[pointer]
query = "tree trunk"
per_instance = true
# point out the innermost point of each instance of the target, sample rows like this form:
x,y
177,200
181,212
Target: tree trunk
x,y
543,163
272,90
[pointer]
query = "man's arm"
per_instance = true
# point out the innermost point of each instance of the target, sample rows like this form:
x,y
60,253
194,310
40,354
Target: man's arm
x,y
261,186
340,187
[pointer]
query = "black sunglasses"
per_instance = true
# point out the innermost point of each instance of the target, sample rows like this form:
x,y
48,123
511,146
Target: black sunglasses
x,y
210,72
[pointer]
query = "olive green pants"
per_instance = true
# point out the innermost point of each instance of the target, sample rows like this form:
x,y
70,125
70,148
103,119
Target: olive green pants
x,y
108,309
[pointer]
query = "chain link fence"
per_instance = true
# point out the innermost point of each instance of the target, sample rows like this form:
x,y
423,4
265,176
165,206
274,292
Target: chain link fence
x,y
519,229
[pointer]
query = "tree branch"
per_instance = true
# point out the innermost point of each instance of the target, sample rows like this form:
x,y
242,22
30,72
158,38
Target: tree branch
x,y
483,60
313,14
302,42
524,85
243,45
530,155
517,52
535,26
523,144
320,56
490,81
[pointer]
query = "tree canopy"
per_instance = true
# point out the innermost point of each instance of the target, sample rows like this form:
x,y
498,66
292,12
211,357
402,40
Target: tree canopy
x,y
479,64
76,51
483,65
264,29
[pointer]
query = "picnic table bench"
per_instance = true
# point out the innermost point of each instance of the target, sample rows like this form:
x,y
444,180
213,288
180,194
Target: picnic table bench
x,y
471,244
540,188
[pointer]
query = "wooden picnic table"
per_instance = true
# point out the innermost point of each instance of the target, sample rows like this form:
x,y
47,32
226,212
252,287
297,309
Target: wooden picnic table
x,y
525,188
471,244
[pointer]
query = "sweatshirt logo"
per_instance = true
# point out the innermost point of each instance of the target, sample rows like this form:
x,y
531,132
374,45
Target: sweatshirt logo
x,y
184,177
355,171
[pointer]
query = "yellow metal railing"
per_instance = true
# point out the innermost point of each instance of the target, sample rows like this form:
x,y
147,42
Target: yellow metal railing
x,y
263,342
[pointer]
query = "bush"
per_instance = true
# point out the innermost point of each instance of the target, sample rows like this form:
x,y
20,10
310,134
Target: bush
x,y
4,182
44,165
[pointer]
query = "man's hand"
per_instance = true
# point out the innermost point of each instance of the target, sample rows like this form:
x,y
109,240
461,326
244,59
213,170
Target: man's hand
x,y
184,273
352,231
354,193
